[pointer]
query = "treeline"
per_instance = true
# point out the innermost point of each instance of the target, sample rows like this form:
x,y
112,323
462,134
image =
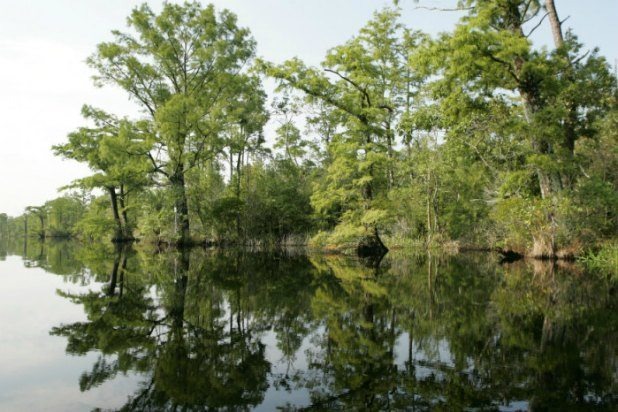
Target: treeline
x,y
57,218
476,136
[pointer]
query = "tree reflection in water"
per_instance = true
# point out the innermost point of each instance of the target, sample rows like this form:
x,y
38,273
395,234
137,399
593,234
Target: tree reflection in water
x,y
414,333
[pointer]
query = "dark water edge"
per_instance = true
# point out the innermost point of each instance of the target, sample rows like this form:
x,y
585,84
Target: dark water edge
x,y
126,329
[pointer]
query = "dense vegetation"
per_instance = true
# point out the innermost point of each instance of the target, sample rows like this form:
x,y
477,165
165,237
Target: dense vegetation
x,y
476,136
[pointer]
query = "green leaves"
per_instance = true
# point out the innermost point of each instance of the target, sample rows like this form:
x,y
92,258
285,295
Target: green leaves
x,y
183,67
436,138
367,85
114,148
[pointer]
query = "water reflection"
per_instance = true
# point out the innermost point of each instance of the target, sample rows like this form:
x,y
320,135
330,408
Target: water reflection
x,y
232,329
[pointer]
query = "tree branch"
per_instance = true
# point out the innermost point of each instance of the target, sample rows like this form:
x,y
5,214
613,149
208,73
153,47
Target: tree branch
x,y
536,26
157,168
361,89
580,58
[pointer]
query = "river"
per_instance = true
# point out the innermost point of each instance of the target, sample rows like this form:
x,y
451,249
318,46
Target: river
x,y
88,327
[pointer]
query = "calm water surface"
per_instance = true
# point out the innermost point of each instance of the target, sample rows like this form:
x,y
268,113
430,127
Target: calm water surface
x,y
88,327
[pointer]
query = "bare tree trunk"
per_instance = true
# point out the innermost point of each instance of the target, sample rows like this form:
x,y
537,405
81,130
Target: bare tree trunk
x,y
178,303
231,160
429,227
554,21
390,173
123,269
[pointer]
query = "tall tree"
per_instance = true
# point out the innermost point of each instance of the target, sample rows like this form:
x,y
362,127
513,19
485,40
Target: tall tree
x,y
182,66
492,82
368,83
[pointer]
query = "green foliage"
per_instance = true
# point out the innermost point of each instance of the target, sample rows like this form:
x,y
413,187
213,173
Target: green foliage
x,y
97,222
521,220
219,329
153,222
225,214
183,67
603,260
367,85
64,214
520,113
272,207
115,149
4,225
476,135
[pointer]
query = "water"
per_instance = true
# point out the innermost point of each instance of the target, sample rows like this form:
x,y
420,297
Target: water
x,y
88,327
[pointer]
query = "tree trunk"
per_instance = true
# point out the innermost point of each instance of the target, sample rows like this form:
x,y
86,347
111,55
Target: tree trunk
x,y
123,269
126,230
554,21
120,265
182,229
113,197
111,289
238,177
550,182
570,122
390,139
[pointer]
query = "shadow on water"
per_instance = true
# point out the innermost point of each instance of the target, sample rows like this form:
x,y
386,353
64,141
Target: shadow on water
x,y
426,332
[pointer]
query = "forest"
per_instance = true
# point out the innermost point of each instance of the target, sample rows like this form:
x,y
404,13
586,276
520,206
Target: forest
x,y
473,139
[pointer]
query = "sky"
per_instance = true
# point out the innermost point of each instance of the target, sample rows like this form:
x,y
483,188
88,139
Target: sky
x,y
44,80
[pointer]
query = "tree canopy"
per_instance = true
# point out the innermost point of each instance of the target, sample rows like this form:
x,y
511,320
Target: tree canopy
x,y
475,137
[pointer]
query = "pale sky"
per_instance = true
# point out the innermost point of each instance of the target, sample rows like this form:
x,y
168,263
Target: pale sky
x,y
44,80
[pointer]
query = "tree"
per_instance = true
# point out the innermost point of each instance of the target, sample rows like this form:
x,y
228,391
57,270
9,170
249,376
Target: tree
x,y
4,226
289,139
245,121
528,106
368,83
64,213
183,67
115,149
41,213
